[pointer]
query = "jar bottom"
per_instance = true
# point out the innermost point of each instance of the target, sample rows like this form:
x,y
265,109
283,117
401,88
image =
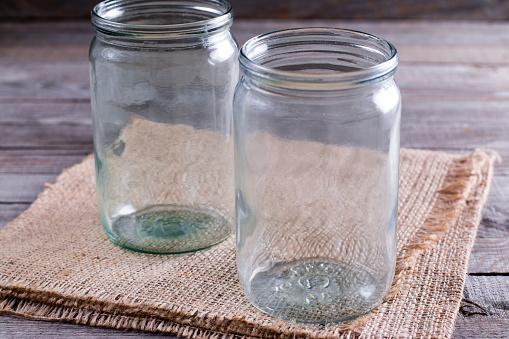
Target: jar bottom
x,y
169,229
316,292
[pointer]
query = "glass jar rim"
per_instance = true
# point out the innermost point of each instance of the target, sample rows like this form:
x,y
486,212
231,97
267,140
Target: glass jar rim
x,y
105,18
258,47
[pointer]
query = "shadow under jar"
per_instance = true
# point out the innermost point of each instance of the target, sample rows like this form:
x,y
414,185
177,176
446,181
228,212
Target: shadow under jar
x,y
316,128
162,77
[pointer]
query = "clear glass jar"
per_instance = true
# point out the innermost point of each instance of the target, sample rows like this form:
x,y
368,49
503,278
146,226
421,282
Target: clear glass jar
x,y
316,128
162,76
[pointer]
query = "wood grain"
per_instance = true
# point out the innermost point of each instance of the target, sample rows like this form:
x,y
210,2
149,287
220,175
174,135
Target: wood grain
x,y
7,213
70,80
21,188
45,80
490,255
495,220
67,41
411,32
10,325
479,327
77,34
28,161
67,126
281,9
494,304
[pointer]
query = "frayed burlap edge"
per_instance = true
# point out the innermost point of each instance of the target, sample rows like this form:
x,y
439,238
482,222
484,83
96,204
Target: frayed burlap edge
x,y
457,192
463,175
40,311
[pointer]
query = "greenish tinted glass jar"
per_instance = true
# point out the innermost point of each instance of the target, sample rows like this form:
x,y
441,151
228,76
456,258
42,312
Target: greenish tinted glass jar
x,y
162,76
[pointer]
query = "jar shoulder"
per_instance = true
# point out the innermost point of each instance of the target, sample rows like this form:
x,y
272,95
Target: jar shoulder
x,y
219,49
375,100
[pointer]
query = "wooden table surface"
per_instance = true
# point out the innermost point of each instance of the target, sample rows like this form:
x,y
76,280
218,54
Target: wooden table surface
x,y
454,79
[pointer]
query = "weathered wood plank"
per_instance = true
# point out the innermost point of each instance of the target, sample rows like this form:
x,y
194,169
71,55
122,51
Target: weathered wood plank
x,y
490,293
56,78
491,250
494,225
399,32
495,222
46,125
67,34
10,211
416,41
16,327
484,311
46,113
451,124
20,188
63,136
474,328
462,138
433,124
456,135
454,81
369,9
280,9
490,255
38,161
409,53
78,111
70,80
45,80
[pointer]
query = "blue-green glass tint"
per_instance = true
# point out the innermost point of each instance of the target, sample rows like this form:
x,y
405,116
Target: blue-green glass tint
x,y
162,76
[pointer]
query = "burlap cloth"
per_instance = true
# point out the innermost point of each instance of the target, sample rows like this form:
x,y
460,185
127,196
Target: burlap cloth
x,y
57,264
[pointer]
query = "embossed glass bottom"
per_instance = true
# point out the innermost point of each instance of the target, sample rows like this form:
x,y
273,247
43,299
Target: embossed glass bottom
x,y
169,229
315,292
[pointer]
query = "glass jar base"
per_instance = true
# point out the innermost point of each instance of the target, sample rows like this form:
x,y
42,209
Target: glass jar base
x,y
316,292
169,229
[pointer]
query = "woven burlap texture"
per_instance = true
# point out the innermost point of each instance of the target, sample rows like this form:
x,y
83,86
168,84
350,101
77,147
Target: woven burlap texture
x,y
57,264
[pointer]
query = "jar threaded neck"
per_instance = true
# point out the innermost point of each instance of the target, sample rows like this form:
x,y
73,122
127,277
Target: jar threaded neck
x,y
318,58
161,19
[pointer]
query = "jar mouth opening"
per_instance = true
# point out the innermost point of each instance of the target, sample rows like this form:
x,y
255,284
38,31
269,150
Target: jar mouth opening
x,y
318,56
162,18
